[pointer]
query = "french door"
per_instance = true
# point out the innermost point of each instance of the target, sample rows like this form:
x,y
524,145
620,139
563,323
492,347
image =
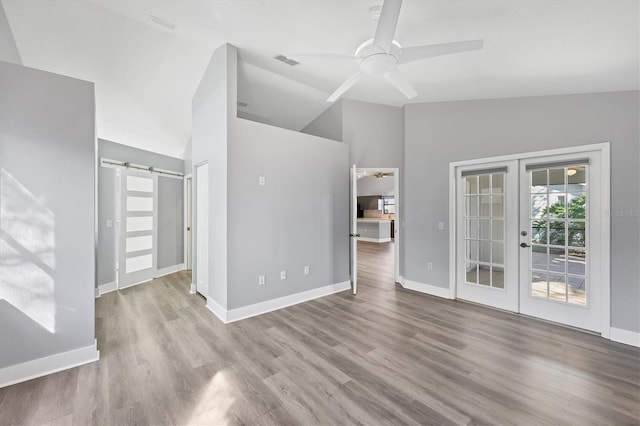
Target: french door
x,y
487,228
529,236
561,244
138,228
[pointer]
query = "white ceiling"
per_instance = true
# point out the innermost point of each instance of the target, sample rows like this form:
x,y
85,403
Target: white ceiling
x,y
146,74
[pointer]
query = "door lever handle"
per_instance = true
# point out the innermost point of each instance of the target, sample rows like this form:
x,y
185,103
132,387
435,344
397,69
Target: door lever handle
x,y
524,245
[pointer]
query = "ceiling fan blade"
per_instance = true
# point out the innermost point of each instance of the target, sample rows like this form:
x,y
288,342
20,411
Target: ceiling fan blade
x,y
387,24
401,83
345,86
416,53
322,57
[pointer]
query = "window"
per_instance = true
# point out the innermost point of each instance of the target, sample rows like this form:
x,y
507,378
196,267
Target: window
x,y
387,204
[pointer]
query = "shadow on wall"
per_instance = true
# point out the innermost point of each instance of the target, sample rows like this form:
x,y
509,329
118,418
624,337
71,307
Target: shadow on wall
x,y
27,252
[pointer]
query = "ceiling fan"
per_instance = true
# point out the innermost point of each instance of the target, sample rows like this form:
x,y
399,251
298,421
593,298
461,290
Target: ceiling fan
x,y
382,54
381,175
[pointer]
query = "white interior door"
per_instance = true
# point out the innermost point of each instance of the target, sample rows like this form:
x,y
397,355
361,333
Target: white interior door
x,y
354,230
189,220
560,273
487,214
138,228
202,229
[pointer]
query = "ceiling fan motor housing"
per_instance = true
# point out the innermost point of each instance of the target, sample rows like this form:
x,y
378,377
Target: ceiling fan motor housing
x,y
374,60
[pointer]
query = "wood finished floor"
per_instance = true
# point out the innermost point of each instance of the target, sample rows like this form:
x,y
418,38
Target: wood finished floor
x,y
387,356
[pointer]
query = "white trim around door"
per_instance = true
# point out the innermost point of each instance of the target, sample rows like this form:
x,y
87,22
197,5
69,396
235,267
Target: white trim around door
x,y
397,223
599,224
188,221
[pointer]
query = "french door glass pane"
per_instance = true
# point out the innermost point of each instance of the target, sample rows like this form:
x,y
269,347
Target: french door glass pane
x,y
484,276
497,276
558,233
576,290
497,183
484,230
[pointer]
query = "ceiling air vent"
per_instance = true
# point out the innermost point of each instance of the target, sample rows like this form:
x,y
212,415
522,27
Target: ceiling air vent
x,y
286,60
162,22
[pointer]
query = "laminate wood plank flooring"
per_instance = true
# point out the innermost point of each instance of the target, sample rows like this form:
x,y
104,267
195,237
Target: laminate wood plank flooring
x,y
385,356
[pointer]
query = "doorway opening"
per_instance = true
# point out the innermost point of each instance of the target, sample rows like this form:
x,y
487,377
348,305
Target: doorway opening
x,y
531,236
375,234
202,229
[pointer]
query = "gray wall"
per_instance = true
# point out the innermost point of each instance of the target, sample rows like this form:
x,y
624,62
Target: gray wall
x,y
211,109
170,207
439,133
375,135
47,214
371,185
299,218
374,132
8,49
328,124
188,161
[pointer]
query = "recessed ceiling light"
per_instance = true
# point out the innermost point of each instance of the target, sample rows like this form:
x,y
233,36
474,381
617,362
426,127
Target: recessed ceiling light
x,y
162,22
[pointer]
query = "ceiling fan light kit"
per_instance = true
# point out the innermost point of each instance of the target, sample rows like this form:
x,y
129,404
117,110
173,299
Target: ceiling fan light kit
x,y
381,55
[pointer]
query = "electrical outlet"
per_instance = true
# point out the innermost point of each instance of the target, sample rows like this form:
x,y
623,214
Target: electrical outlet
x,y
109,223
261,180
283,275
430,266
306,270
261,280
441,226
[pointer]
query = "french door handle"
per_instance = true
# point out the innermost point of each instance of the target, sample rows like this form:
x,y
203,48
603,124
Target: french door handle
x,y
354,235
524,245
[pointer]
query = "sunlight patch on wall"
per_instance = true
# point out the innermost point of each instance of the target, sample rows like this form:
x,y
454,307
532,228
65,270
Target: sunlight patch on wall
x,y
27,252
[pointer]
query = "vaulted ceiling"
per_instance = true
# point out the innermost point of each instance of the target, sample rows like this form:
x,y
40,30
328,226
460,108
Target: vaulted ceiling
x,y
146,73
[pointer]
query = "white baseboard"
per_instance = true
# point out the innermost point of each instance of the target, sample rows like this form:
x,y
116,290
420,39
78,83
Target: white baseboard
x,y
169,270
374,240
237,314
625,336
106,288
217,310
433,290
192,289
48,365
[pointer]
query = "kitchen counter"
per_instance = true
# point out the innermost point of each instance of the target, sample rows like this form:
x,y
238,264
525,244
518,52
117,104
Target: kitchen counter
x,y
374,230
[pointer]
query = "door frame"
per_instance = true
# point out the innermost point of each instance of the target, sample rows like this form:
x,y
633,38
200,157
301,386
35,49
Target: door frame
x,y
605,224
187,197
396,193
194,234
